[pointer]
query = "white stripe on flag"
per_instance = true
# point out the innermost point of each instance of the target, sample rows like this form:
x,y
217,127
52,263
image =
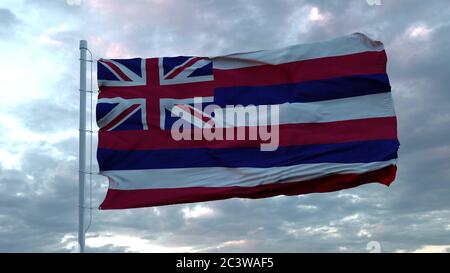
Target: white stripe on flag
x,y
227,177
360,107
350,44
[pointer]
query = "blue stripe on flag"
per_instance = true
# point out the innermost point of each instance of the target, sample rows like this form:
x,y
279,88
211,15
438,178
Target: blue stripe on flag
x,y
350,152
318,90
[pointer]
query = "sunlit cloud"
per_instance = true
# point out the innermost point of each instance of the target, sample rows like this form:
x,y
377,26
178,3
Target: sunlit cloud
x,y
197,211
73,2
433,249
48,36
316,16
303,20
419,32
364,233
353,198
225,245
343,249
10,160
350,218
131,243
14,133
14,129
307,207
327,231
116,50
297,231
69,242
109,49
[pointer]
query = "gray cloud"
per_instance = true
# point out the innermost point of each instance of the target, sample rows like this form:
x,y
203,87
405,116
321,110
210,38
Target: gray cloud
x,y
7,17
8,21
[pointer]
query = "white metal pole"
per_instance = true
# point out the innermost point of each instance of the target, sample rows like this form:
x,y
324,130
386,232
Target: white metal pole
x,y
82,145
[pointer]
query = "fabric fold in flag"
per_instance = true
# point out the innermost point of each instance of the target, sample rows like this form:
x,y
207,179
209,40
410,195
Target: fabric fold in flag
x,y
307,118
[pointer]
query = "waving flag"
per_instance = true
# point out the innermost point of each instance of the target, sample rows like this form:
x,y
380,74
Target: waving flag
x,y
170,127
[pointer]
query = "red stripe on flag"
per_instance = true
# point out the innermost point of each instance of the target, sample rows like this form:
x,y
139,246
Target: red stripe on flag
x,y
119,117
121,199
294,72
117,70
290,134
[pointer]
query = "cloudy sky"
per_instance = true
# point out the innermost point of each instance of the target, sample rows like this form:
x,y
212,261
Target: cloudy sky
x,y
39,126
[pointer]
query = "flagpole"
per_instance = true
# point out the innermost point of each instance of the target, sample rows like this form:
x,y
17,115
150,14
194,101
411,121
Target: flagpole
x,y
82,145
